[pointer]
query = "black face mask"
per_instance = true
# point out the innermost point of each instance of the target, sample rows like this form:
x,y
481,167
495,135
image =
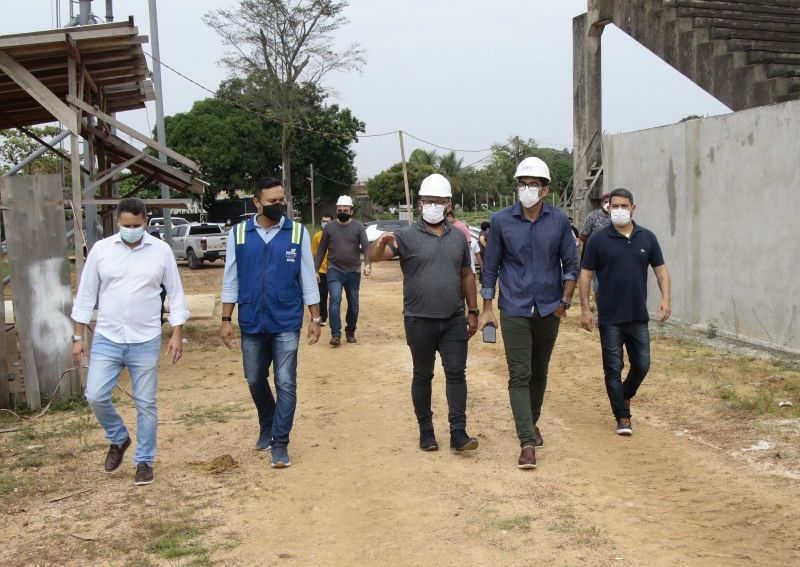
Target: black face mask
x,y
343,217
273,212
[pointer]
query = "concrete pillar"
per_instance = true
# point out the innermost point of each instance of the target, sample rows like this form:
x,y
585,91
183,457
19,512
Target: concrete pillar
x,y
587,105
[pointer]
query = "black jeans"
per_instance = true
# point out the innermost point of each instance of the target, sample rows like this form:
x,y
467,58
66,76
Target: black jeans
x,y
425,337
635,337
323,296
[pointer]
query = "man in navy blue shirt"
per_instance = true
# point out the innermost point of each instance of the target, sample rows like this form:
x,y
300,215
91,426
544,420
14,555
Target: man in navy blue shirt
x,y
620,255
532,250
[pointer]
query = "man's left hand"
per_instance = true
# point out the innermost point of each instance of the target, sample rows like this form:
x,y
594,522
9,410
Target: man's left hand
x,y
314,332
560,312
664,310
367,270
472,325
175,348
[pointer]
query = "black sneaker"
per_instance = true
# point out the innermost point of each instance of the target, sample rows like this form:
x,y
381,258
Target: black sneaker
x,y
427,440
144,474
351,338
624,426
460,441
115,455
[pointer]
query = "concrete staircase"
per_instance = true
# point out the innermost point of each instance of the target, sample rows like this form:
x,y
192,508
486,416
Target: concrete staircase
x,y
745,53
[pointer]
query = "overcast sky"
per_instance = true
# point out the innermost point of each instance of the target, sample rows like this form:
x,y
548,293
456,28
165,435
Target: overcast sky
x,y
462,74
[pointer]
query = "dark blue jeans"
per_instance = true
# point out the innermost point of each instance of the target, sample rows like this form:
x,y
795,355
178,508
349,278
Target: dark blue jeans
x,y
259,351
635,337
351,283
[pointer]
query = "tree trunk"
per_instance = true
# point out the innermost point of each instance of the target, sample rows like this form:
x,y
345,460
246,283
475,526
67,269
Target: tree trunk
x,y
287,168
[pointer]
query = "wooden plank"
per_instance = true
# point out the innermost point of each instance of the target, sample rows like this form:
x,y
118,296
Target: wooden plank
x,y
4,400
113,172
37,90
40,281
132,132
163,203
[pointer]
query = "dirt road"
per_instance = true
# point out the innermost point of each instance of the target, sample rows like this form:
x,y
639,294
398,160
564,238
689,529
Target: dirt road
x,y
679,492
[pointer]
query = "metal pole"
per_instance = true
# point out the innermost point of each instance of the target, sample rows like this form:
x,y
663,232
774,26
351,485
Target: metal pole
x,y
313,221
38,152
405,179
109,10
85,12
160,132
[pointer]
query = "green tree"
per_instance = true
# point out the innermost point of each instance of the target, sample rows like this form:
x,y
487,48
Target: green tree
x,y
16,146
423,157
280,46
387,187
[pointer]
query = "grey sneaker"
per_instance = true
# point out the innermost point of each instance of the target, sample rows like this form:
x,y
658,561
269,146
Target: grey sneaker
x,y
144,474
280,457
624,426
265,442
336,341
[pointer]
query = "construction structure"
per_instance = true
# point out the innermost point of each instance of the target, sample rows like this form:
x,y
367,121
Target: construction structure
x,y
745,53
78,76
719,192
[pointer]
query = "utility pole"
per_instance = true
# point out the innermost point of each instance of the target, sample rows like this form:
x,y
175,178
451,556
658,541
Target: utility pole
x,y
405,179
313,222
160,131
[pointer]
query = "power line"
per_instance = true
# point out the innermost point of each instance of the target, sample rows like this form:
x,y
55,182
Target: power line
x,y
318,174
410,135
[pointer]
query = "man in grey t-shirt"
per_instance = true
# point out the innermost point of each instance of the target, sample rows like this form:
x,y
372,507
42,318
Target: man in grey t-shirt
x,y
437,278
343,241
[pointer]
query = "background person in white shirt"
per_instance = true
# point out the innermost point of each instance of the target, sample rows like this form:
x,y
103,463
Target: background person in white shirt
x,y
123,276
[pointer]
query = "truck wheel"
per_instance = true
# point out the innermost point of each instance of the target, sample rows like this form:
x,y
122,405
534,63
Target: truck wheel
x,y
191,259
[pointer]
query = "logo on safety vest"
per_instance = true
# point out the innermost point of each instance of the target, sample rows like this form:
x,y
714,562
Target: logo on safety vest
x,y
291,255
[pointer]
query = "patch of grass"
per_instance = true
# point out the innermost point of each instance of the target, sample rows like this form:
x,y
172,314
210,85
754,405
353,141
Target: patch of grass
x,y
77,404
174,538
139,561
31,461
216,414
6,484
515,523
566,523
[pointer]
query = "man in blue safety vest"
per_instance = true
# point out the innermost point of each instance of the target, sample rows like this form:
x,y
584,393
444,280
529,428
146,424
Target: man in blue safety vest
x,y
269,273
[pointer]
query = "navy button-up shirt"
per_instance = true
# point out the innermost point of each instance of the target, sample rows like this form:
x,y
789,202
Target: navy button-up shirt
x,y
532,260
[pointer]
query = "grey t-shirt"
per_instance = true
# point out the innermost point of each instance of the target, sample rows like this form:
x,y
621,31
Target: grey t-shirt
x,y
344,244
431,267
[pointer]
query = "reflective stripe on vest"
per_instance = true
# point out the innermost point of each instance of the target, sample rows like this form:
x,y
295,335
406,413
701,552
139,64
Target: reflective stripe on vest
x,y
297,233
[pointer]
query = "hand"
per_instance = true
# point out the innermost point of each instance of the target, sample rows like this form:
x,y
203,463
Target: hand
x,y
486,318
175,347
664,310
560,312
78,352
367,269
227,335
587,319
314,331
319,279
472,325
385,239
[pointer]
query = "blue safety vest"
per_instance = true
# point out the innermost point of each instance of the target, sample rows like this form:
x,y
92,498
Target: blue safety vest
x,y
270,294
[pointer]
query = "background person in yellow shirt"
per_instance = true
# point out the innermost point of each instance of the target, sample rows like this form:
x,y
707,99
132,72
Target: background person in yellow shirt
x,y
322,274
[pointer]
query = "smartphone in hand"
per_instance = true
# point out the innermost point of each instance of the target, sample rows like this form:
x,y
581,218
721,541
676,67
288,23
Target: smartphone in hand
x,y
490,334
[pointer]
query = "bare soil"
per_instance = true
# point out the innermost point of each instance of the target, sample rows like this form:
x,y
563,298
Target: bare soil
x,y
694,485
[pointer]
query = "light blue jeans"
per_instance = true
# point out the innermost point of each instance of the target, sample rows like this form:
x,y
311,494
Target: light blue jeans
x,y
106,362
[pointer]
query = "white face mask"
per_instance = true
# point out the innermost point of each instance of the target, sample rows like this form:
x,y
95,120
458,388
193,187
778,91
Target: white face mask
x,y
323,223
433,213
620,217
131,235
605,207
529,197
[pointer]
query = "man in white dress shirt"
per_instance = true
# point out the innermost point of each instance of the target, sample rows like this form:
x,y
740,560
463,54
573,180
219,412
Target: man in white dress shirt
x,y
123,276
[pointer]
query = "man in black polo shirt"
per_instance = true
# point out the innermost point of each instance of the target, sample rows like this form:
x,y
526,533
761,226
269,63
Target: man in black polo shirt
x,y
437,277
620,255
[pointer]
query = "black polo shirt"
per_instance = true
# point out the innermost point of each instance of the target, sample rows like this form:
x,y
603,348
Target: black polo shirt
x,y
431,266
621,267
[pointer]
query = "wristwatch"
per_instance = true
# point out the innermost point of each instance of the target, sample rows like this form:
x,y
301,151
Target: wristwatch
x,y
473,312
226,318
76,338
316,319
566,304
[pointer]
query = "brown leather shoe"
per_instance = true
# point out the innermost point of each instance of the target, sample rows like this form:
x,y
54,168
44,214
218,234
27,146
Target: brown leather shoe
x,y
115,455
144,474
336,341
527,458
537,438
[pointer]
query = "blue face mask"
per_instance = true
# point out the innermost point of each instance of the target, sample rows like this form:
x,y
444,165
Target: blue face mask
x,y
323,223
131,235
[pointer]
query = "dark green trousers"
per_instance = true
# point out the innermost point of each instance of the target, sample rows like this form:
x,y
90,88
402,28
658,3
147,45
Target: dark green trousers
x,y
529,342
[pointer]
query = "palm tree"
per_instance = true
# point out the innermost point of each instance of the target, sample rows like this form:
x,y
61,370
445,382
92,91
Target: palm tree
x,y
450,165
421,157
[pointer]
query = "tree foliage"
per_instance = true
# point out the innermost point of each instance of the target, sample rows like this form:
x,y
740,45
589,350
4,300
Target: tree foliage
x,y
281,46
16,146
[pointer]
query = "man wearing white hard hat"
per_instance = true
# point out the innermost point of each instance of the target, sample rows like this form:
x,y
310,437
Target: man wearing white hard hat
x,y
532,251
343,240
437,279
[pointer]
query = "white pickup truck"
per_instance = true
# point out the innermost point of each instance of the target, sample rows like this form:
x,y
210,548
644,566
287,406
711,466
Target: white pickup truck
x,y
197,242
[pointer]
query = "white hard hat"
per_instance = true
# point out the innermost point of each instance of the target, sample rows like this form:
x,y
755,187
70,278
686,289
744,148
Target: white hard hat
x,y
435,185
344,201
532,167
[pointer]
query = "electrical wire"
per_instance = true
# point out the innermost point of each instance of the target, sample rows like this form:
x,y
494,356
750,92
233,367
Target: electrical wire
x,y
410,135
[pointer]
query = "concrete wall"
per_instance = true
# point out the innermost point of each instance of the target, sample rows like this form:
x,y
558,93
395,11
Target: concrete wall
x,y
721,194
